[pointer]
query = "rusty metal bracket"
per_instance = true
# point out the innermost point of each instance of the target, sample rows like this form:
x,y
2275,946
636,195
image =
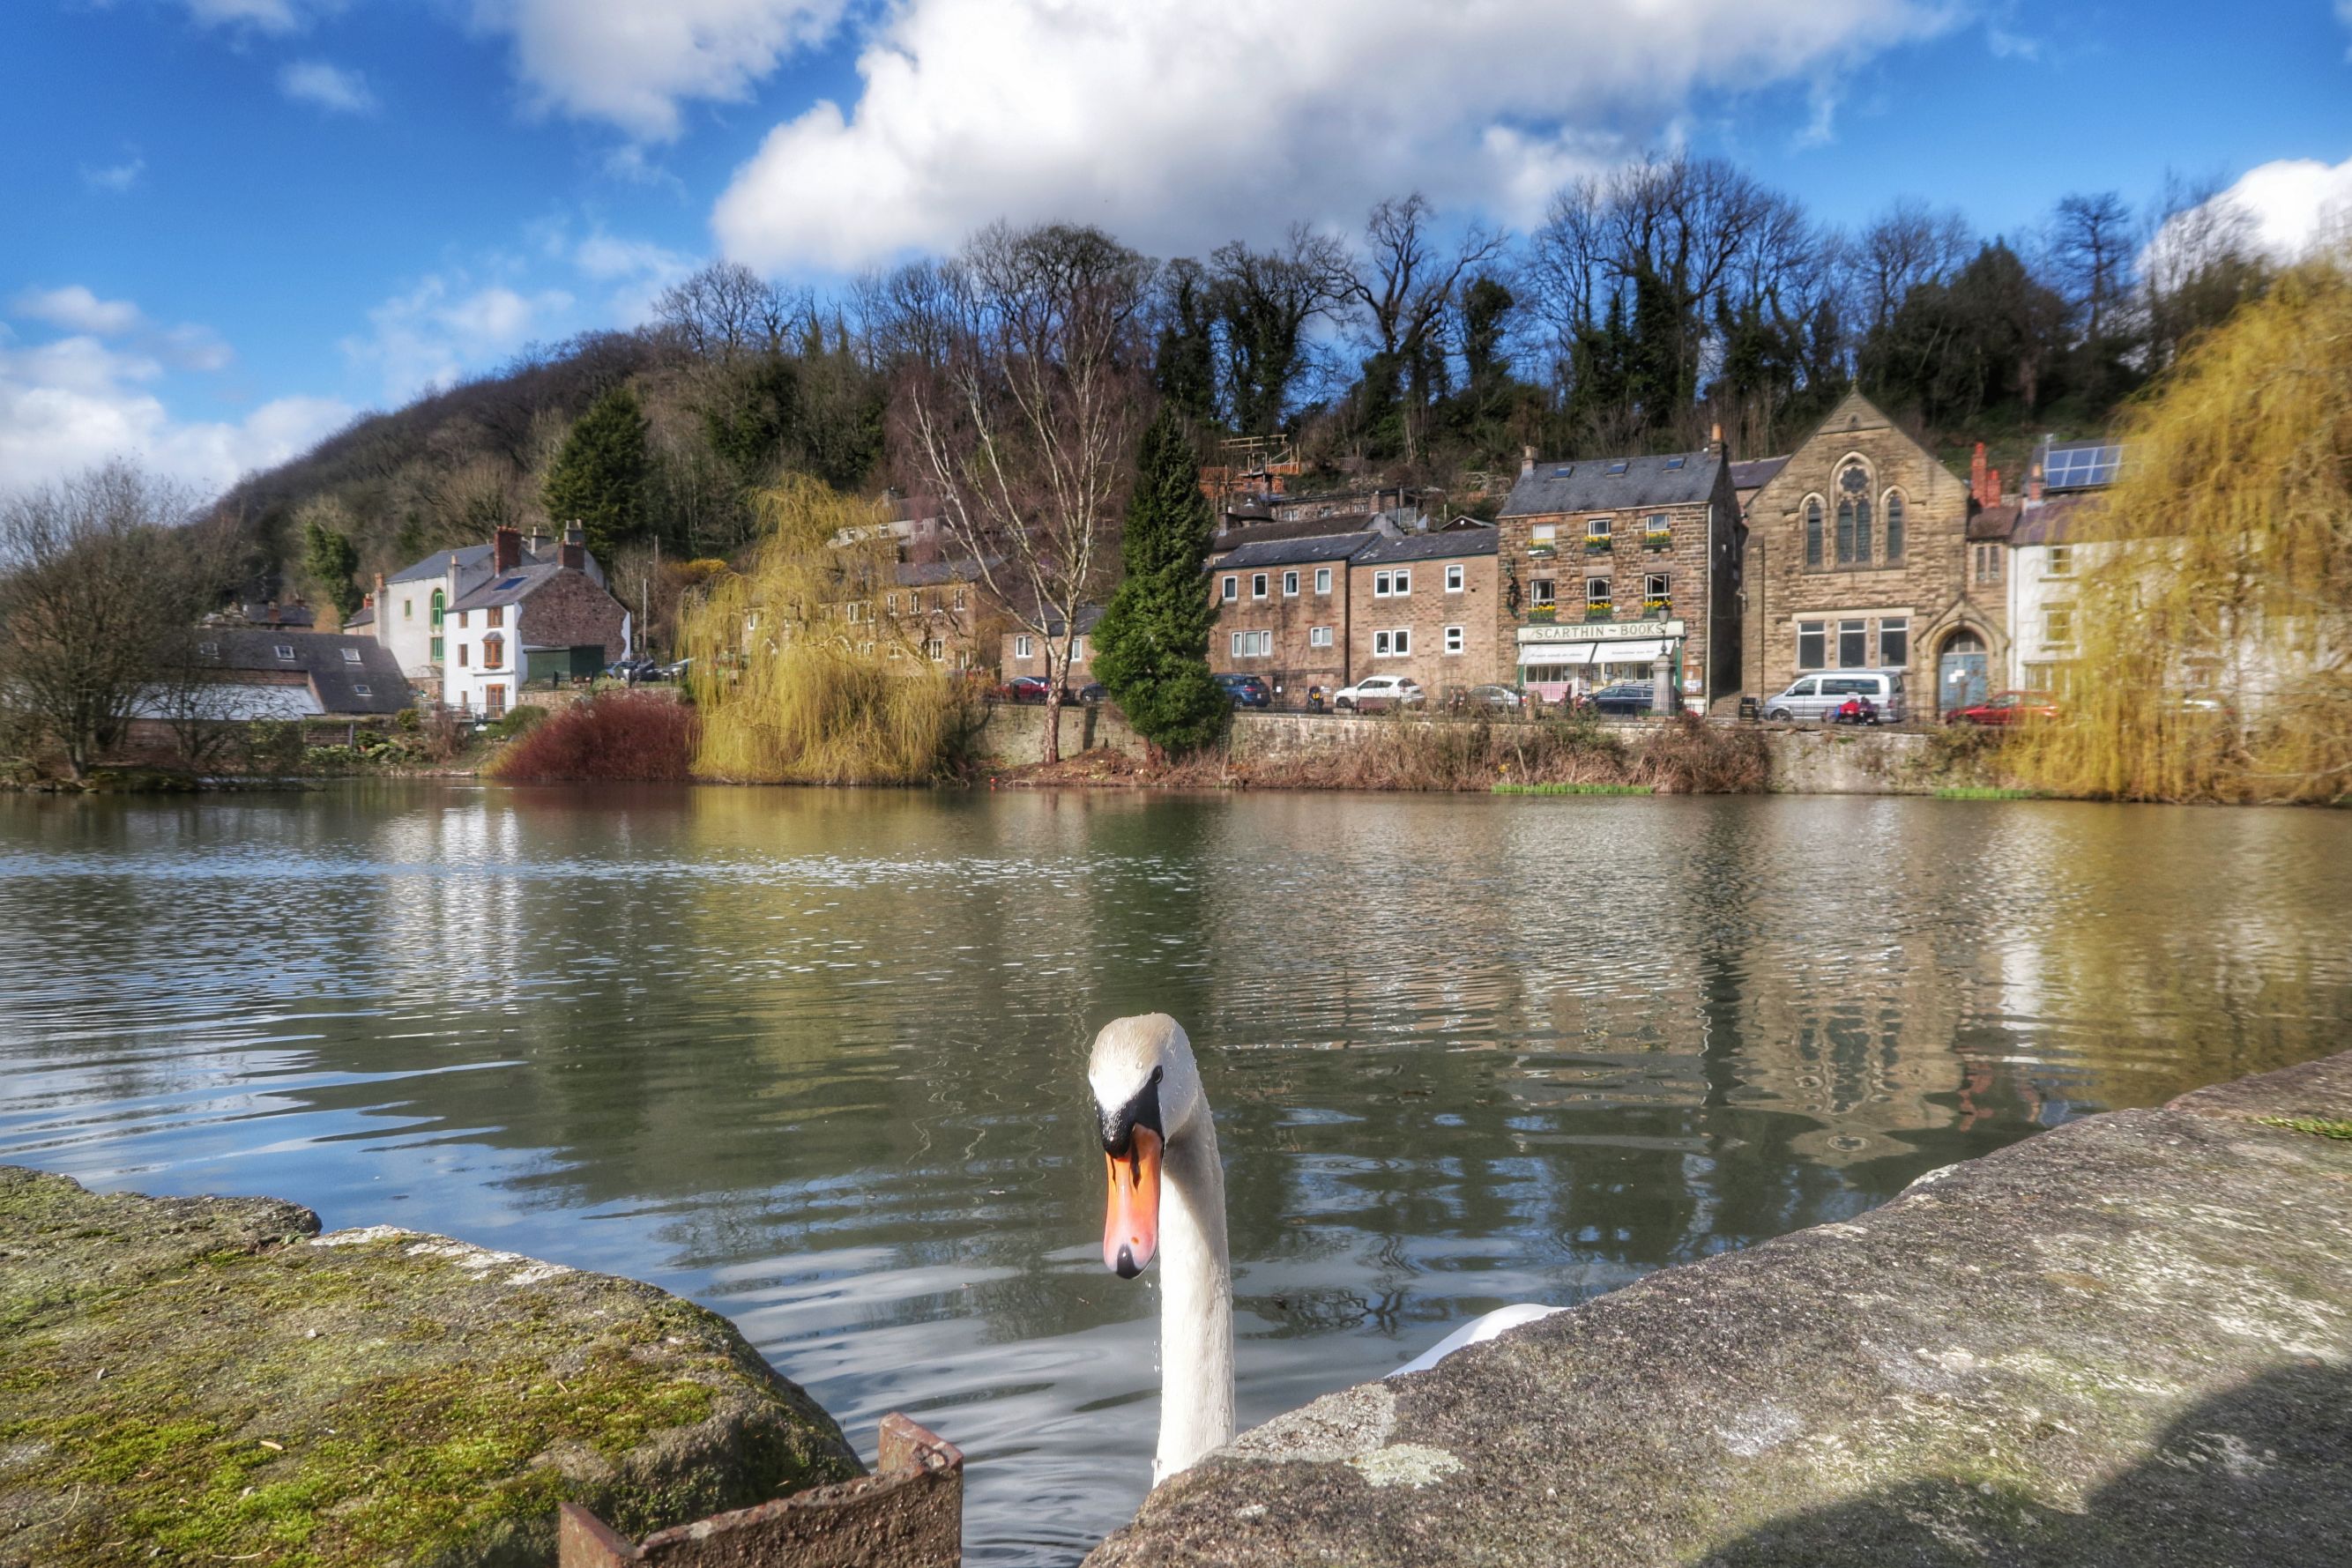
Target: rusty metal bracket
x,y
907,1514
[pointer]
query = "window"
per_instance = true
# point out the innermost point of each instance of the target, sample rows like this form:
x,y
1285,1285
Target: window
x,y
1077,649
1853,516
1318,636
408,610
208,649
361,689
897,652
1987,563
1253,644
890,603
1023,648
494,700
1257,585
1853,644
496,615
935,650
1596,596
1619,467
462,652
494,651
461,619
435,654
1322,579
438,600
350,655
1230,590
1395,645
1453,580
1657,599
1539,593
1894,525
1813,651
1455,638
2062,560
1676,462
1542,537
959,599
1596,531
1812,531
284,650
1391,585
2058,626
1290,585
1895,638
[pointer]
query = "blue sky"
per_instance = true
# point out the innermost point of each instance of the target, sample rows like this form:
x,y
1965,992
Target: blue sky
x,y
233,224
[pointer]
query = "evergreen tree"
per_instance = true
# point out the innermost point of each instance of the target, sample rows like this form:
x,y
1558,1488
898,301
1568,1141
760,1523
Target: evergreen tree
x,y
599,477
329,560
1151,647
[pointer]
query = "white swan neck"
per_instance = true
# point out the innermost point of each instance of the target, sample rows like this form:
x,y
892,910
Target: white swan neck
x,y
1196,1314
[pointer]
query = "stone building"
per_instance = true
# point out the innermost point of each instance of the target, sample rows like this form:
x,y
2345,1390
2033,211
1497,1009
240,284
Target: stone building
x,y
938,613
1621,568
1022,653
544,619
408,612
1283,610
1424,606
1859,557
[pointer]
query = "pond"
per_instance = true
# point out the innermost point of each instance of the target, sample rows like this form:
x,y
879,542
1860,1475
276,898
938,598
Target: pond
x,y
816,1059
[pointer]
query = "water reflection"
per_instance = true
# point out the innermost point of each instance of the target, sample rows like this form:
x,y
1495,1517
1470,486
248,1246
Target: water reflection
x,y
815,1058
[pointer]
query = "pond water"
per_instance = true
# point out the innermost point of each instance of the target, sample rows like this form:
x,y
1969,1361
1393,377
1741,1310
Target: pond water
x,y
816,1059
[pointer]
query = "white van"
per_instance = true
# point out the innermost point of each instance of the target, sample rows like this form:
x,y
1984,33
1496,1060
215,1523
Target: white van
x,y
1819,696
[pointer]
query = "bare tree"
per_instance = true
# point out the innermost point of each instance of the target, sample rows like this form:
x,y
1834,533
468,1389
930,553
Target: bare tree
x,y
910,314
2202,259
1909,244
100,579
1025,428
1263,301
726,310
2091,244
1406,282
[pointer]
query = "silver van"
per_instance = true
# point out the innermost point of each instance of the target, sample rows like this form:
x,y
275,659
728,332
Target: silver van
x,y
1820,695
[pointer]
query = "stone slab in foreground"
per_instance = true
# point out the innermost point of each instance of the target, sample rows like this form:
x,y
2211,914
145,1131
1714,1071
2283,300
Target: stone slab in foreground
x,y
2125,1343
200,1380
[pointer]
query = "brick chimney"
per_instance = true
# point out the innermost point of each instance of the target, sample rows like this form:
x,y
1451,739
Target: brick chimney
x,y
1527,461
1715,438
1977,478
2034,486
575,555
383,610
506,550
537,542
1993,487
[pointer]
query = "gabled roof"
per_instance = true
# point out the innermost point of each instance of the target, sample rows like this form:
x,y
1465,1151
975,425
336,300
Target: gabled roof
x,y
1753,475
321,656
1614,483
1292,553
512,588
474,562
1429,547
932,573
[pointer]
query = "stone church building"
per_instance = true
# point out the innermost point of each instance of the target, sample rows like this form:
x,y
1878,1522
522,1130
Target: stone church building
x,y
1858,558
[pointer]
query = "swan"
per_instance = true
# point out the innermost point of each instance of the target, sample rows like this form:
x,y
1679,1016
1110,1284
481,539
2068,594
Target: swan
x,y
1167,1200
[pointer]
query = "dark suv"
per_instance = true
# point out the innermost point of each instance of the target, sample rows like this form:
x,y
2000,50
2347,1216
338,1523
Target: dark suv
x,y
1247,691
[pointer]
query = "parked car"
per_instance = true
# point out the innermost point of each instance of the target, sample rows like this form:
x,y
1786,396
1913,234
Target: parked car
x,y
1378,694
2006,708
632,669
1093,692
1622,699
1498,698
1247,691
1813,697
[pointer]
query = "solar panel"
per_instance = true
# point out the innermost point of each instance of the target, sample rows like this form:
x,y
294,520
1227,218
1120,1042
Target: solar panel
x,y
2083,466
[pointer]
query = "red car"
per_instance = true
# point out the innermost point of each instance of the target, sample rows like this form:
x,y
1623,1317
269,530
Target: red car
x,y
2006,707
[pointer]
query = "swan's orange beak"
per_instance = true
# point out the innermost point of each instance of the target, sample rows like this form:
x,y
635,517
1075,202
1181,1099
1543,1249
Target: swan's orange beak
x,y
1132,1227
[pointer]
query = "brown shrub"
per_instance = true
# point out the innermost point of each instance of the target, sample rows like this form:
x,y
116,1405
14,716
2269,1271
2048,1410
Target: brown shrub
x,y
1686,755
619,736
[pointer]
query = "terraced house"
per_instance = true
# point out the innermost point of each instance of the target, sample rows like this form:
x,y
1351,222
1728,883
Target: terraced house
x,y
1424,606
1283,611
1621,568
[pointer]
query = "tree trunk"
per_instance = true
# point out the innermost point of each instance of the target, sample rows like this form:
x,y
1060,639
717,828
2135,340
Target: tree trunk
x,y
1052,750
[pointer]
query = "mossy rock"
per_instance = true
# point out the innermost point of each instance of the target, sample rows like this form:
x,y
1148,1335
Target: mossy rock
x,y
194,1380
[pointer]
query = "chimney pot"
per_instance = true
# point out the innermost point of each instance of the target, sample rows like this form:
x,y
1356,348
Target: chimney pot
x,y
1527,461
1993,487
575,555
505,549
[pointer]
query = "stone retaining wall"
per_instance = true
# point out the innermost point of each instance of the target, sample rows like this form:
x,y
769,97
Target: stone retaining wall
x,y
2125,1343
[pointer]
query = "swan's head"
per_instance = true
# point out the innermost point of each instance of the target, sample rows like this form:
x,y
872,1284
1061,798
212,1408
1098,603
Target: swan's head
x,y
1147,1092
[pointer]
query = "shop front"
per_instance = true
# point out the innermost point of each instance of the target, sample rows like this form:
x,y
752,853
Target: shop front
x,y
1558,663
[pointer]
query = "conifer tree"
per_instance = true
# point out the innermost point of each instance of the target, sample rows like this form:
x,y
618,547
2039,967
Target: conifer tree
x,y
329,558
599,477
1151,647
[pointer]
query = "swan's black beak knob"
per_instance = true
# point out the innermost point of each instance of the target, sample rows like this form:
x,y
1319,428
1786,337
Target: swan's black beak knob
x,y
1127,1267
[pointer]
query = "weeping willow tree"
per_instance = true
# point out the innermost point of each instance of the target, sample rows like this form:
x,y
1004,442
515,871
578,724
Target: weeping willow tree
x,y
2214,621
803,673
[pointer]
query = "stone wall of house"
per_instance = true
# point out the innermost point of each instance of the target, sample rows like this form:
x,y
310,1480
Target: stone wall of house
x,y
1425,612
569,612
1927,592
1296,662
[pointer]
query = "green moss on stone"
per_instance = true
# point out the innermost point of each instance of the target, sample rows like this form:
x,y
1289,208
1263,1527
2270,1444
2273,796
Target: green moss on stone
x,y
2318,1127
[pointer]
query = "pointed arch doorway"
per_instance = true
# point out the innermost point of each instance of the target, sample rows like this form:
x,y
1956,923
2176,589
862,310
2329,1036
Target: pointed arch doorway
x,y
1963,672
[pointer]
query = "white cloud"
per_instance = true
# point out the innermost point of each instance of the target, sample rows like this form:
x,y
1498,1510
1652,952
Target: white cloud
x,y
445,328
2294,202
68,404
1179,124
77,309
633,63
114,177
329,87
262,16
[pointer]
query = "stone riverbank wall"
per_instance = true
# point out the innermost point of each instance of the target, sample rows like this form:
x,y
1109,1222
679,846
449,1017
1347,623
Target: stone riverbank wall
x,y
2125,1343
1805,761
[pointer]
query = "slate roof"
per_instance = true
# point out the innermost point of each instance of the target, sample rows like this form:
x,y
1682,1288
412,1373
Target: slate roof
x,y
1755,474
1995,522
364,616
2053,522
1292,553
511,589
1429,547
320,656
1265,533
1586,484
474,562
932,573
